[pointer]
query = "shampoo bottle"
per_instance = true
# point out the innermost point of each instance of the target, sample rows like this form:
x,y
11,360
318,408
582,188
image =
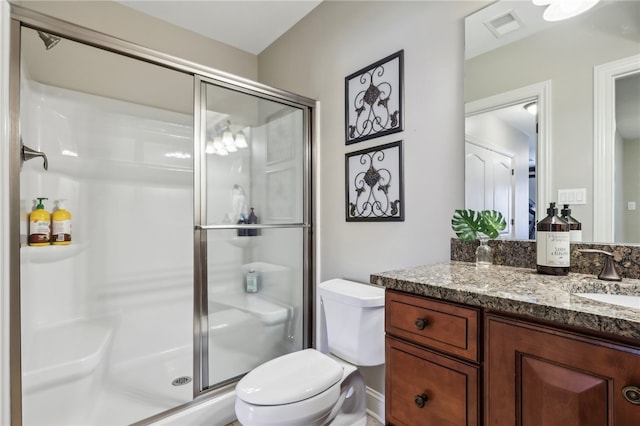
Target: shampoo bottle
x,y
253,220
575,227
60,225
39,225
251,282
242,221
552,244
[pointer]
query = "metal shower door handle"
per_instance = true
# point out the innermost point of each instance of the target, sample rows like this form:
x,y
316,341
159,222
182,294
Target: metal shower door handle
x,y
27,154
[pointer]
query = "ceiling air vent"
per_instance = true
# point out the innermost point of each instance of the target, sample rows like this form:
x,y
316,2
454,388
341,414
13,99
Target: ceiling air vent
x,y
504,23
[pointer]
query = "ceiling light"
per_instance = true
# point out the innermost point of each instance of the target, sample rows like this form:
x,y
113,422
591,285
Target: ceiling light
x,y
217,143
227,140
558,10
241,140
210,149
532,108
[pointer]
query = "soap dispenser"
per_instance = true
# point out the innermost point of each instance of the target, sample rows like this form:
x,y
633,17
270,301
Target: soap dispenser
x,y
252,220
575,227
39,225
242,232
251,282
60,225
553,244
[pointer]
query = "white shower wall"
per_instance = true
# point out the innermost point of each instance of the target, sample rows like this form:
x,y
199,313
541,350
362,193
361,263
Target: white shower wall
x,y
125,171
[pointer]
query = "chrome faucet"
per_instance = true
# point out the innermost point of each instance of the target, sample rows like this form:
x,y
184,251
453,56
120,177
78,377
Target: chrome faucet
x,y
608,272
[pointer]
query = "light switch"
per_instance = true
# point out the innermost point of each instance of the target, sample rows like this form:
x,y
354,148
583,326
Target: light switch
x,y
563,196
572,196
631,205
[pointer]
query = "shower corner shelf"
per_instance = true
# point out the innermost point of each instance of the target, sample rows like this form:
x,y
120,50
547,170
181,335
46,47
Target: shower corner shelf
x,y
244,242
48,254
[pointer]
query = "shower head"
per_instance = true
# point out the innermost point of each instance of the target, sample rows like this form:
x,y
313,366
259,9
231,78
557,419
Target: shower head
x,y
48,39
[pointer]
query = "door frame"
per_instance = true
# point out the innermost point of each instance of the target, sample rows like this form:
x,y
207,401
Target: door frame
x,y
604,130
541,92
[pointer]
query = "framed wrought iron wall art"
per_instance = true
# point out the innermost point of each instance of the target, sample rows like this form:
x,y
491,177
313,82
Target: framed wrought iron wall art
x,y
374,184
373,99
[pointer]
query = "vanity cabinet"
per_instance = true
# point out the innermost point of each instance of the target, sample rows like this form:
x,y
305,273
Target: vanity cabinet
x,y
432,362
531,374
539,375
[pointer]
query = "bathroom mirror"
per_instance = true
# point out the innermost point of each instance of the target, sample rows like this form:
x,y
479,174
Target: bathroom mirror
x,y
572,69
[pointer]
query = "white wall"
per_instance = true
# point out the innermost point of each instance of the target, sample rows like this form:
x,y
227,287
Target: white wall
x,y
630,191
335,40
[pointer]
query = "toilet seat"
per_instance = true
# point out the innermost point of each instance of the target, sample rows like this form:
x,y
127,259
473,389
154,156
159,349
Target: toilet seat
x,y
290,378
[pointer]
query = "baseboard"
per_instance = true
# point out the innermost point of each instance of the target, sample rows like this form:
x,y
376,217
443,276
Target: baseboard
x,y
375,404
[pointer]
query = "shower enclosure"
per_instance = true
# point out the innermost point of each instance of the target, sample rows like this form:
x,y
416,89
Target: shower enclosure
x,y
191,253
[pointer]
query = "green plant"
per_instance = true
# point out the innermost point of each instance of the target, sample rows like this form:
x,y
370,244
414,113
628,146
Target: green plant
x,y
467,224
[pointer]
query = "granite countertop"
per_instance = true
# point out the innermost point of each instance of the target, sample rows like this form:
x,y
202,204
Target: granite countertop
x,y
524,292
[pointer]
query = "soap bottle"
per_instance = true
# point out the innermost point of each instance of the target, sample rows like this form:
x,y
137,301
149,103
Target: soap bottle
x,y
242,221
552,244
60,225
575,227
252,220
39,225
251,282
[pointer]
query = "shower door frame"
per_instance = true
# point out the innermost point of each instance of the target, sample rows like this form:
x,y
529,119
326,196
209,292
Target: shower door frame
x,y
22,17
201,363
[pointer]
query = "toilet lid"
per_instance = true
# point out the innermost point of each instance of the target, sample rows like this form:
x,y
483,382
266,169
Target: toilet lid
x,y
289,378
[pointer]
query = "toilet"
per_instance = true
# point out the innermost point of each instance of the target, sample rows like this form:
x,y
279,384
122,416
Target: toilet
x,y
310,388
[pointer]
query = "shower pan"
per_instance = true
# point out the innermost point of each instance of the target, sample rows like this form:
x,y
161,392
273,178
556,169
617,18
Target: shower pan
x,y
191,256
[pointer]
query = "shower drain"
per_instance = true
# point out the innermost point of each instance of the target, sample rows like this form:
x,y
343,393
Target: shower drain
x,y
181,381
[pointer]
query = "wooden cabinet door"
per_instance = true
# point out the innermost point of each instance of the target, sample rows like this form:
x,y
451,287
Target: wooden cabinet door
x,y
425,388
540,376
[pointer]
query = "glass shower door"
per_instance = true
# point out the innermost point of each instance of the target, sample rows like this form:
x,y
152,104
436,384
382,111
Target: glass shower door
x,y
254,233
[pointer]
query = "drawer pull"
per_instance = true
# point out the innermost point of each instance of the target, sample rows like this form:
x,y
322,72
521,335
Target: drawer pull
x,y
632,394
420,400
421,323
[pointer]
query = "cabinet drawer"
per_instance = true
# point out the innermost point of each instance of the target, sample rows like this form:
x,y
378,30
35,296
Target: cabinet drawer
x,y
425,388
439,325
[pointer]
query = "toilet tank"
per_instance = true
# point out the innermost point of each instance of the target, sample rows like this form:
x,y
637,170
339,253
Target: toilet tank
x,y
354,315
